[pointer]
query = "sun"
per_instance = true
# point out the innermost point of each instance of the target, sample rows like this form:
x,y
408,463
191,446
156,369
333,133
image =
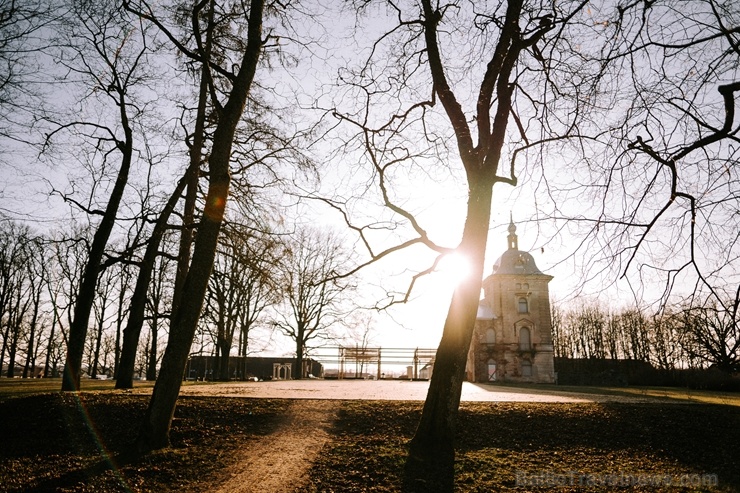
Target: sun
x,y
454,268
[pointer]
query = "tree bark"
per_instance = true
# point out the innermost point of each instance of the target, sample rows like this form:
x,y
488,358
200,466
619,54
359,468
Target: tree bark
x,y
429,466
155,430
98,341
151,368
31,355
119,323
300,346
430,463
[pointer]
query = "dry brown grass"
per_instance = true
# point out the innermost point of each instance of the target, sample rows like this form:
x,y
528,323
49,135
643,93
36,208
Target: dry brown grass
x,y
62,442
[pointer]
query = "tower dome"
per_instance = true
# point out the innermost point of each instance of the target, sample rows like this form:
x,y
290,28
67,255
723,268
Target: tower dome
x,y
514,261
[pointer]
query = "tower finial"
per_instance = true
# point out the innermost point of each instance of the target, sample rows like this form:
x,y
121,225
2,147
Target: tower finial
x,y
512,238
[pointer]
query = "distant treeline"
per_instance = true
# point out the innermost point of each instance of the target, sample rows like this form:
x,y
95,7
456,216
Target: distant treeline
x,y
688,346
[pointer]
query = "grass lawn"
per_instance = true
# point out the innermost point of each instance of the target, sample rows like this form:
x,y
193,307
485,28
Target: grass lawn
x,y
676,394
10,387
51,441
544,447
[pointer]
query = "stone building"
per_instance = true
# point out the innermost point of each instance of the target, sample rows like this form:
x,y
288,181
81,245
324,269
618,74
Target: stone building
x,y
247,367
512,341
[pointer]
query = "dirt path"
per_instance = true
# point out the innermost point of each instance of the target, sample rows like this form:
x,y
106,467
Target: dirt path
x,y
278,462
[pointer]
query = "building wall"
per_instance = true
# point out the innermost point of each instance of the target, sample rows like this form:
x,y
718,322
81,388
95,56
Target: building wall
x,y
514,362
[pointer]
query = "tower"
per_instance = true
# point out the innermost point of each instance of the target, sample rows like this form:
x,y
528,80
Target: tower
x,y
512,339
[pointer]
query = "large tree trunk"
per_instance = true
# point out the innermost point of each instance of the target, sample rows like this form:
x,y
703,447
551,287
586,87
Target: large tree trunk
x,y
429,466
119,324
86,292
223,369
50,345
156,427
300,348
151,367
132,332
98,342
31,353
155,431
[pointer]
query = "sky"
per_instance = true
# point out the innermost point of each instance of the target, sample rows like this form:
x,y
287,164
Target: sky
x,y
434,189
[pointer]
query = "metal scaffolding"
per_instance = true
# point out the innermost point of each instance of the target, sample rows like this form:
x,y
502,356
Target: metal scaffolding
x,y
358,361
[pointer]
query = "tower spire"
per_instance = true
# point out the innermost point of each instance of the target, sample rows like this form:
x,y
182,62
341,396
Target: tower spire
x,y
512,238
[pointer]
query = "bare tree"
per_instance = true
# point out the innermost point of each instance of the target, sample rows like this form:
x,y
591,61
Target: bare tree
x,y
626,96
514,51
713,333
37,275
155,430
122,310
314,297
15,291
360,335
634,329
108,48
589,322
102,317
657,192
160,296
562,345
259,288
22,23
668,341
240,288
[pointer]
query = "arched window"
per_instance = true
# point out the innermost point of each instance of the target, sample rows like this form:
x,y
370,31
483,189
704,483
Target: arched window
x,y
526,369
525,340
490,336
523,305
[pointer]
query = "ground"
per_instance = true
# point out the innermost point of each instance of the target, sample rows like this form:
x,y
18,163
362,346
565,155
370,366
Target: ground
x,y
280,461
318,437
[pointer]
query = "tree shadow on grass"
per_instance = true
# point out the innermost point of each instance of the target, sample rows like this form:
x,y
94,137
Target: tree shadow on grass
x,y
495,440
655,438
86,441
80,476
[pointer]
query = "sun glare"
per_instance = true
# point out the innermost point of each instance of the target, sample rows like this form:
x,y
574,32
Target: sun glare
x,y
454,268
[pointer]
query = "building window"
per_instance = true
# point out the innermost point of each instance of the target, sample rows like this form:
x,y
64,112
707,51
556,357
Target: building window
x,y
525,340
523,305
490,337
526,369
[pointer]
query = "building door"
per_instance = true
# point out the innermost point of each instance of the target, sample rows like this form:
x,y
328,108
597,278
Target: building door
x,y
526,369
491,370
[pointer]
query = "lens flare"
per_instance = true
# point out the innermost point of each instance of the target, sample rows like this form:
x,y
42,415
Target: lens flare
x,y
105,455
454,268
